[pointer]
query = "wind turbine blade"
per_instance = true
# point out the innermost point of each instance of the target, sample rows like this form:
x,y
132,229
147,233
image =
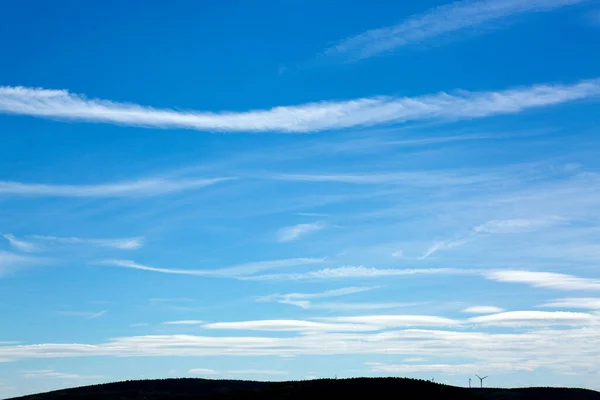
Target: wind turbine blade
x,y
484,377
478,376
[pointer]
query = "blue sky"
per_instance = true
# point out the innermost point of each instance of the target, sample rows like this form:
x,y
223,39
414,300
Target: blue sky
x,y
291,189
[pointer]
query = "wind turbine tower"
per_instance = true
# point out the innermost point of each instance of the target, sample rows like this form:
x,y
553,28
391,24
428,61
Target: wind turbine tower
x,y
481,379
469,383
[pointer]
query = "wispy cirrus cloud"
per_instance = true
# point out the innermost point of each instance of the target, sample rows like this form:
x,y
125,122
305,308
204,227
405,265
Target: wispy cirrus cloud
x,y
303,300
240,270
310,117
448,244
363,272
412,178
295,232
528,318
117,243
83,314
587,303
516,225
52,374
438,22
139,188
18,244
547,280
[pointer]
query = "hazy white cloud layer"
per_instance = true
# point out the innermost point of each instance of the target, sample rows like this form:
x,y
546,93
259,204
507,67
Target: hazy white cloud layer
x,y
324,115
438,22
563,342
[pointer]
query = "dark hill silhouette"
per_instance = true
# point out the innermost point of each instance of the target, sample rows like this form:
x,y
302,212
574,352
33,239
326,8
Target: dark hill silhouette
x,y
369,388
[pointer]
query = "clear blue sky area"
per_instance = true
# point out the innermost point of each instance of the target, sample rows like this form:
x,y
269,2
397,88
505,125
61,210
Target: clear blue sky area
x,y
286,189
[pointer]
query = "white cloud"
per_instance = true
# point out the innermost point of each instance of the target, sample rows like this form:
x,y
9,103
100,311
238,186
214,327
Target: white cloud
x,y
140,188
483,310
52,374
20,244
588,303
525,318
438,22
567,349
515,225
118,243
337,306
413,178
184,322
292,233
228,272
60,104
276,325
363,272
443,246
303,299
548,280
395,321
83,314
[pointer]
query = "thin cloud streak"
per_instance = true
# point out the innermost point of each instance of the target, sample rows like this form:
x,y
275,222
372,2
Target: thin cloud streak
x,y
546,280
20,245
52,374
587,303
119,243
83,314
443,246
528,318
303,299
437,22
516,225
363,272
229,272
140,188
293,233
310,117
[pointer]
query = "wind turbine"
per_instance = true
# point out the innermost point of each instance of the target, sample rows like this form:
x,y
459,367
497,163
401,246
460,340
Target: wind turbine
x,y
481,379
469,383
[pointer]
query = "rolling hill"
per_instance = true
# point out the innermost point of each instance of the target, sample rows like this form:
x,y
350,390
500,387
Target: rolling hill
x,y
370,388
